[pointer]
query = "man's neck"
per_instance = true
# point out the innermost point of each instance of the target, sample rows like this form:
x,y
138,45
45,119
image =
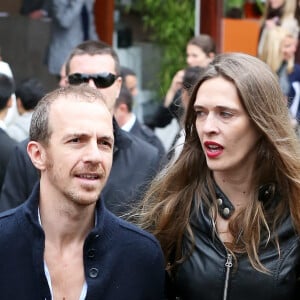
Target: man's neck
x,y
66,225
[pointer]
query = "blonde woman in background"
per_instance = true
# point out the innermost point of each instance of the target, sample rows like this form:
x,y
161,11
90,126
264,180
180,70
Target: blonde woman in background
x,y
277,13
279,54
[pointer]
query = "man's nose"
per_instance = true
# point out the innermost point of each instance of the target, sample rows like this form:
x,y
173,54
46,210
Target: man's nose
x,y
92,83
92,152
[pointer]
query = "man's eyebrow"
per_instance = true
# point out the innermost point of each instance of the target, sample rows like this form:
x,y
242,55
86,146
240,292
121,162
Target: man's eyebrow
x,y
87,134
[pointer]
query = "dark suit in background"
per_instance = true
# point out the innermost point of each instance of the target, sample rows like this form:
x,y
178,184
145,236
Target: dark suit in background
x,y
7,145
145,133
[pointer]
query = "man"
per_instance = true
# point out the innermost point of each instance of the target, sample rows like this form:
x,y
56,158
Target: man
x,y
35,9
72,23
6,143
62,243
128,121
28,93
135,162
125,116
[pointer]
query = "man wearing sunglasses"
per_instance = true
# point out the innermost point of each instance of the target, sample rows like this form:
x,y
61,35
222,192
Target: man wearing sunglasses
x,y
135,162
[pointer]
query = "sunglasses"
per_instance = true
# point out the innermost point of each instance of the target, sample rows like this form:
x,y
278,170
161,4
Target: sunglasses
x,y
101,80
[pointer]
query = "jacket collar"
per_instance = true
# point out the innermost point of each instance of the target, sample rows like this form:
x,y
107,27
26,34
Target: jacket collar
x,y
122,138
30,208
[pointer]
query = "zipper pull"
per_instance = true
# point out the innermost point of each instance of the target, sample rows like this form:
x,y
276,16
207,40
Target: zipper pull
x,y
228,263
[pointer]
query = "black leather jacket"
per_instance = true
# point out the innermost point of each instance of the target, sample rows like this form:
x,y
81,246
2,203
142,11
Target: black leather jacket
x,y
210,273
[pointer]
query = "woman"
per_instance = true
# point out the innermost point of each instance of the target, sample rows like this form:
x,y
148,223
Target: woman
x,y
200,51
277,13
280,56
227,212
190,78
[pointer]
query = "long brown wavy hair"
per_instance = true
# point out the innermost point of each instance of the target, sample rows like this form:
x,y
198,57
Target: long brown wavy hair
x,y
181,187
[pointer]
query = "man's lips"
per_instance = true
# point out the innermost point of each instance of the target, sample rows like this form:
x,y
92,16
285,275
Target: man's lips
x,y
90,176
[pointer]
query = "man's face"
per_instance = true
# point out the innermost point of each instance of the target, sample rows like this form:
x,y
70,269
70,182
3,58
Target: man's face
x,y
94,64
132,84
78,158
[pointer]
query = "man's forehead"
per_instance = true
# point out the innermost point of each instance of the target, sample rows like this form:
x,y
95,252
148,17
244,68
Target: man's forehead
x,y
92,63
69,110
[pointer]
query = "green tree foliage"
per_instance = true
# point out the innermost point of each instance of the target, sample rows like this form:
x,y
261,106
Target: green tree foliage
x,y
172,25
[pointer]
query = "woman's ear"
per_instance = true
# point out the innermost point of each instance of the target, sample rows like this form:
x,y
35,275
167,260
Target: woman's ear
x,y
37,155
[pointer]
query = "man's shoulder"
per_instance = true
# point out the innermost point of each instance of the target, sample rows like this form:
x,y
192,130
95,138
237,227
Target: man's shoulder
x,y
7,144
4,137
144,129
8,219
134,143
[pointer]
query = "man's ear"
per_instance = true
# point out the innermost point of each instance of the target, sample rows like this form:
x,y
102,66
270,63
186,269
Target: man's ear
x,y
119,84
123,108
20,106
37,155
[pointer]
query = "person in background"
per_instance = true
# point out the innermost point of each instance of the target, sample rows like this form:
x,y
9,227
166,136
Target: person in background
x,y
28,93
200,51
69,245
35,9
190,78
297,17
7,144
126,118
277,13
280,56
227,212
62,76
72,23
130,80
12,111
96,63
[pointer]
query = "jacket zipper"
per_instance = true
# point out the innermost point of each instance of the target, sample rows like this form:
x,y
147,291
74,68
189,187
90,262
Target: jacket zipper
x,y
228,265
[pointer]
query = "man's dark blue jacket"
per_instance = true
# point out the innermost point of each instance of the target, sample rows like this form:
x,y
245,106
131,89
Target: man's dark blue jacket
x,y
120,260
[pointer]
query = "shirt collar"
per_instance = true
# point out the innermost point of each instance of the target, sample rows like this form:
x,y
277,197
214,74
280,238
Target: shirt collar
x,y
129,124
2,125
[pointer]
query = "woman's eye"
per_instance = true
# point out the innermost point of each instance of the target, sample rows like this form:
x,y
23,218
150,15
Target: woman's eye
x,y
226,114
199,113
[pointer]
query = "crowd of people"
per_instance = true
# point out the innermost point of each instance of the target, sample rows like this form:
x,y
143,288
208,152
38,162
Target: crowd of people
x,y
93,206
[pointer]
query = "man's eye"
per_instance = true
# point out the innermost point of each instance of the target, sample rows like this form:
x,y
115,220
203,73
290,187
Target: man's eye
x,y
75,140
105,144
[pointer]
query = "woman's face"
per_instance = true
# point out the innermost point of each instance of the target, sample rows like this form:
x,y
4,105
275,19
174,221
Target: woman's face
x,y
195,56
227,135
288,47
276,3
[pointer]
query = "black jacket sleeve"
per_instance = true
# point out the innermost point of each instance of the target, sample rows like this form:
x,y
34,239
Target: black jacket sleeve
x,y
19,179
